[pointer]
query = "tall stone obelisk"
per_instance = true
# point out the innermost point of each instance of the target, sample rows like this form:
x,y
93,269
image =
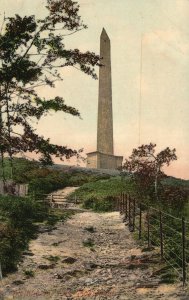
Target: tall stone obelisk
x,y
104,157
105,118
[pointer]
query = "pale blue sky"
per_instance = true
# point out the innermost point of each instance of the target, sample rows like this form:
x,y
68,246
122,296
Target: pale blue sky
x,y
163,27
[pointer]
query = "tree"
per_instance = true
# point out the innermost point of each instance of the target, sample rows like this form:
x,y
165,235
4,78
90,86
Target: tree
x,y
147,167
32,53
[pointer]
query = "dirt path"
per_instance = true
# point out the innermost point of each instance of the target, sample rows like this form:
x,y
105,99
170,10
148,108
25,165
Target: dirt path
x,y
76,262
66,191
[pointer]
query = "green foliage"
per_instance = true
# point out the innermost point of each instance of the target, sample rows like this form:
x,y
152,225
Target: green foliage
x,y
11,246
43,180
32,51
175,182
19,215
23,166
80,178
100,205
102,188
47,184
20,166
146,168
88,243
56,215
29,273
21,211
52,258
99,195
168,278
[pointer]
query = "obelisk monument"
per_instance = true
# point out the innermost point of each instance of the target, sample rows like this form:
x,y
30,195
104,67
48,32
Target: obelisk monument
x,y
104,157
105,118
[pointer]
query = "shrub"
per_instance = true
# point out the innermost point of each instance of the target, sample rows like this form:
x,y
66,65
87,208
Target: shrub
x,y
21,211
88,243
11,246
78,179
18,228
100,205
53,180
29,273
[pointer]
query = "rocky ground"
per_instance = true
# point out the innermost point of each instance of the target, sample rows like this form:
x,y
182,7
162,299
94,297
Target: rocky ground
x,y
90,256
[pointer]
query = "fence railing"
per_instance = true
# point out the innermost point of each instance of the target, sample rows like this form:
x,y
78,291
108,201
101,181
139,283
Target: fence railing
x,y
54,200
167,233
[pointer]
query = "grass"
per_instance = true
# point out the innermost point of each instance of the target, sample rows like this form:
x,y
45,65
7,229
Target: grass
x,y
18,227
99,195
45,179
88,243
29,273
52,258
90,229
56,215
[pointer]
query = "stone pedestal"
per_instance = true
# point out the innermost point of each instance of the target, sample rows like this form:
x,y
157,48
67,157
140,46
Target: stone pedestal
x,y
98,160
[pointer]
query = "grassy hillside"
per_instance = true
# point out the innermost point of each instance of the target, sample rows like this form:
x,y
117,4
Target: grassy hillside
x,y
177,182
47,179
99,195
95,185
173,194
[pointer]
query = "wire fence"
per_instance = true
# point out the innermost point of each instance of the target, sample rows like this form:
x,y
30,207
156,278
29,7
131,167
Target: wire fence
x,y
167,233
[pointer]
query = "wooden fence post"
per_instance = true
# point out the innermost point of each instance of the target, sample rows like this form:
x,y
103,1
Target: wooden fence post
x,y
134,211
117,203
183,251
126,214
1,275
124,203
148,227
140,223
120,204
129,211
161,234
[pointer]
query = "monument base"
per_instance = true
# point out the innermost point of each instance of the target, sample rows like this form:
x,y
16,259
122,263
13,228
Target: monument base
x,y
98,160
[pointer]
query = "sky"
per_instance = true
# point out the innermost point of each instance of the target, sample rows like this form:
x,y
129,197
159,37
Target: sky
x,y
150,75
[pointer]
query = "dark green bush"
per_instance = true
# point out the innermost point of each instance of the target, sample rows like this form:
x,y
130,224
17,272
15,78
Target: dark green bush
x,y
44,185
11,246
78,179
19,215
101,205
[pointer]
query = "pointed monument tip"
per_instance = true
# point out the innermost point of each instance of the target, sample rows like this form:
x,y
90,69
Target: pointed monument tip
x,y
104,33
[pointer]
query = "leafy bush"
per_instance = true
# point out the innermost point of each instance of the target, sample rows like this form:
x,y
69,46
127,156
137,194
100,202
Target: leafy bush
x,y
50,181
52,258
20,211
20,166
102,188
99,195
88,243
29,273
18,228
11,246
56,215
100,205
79,178
19,215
